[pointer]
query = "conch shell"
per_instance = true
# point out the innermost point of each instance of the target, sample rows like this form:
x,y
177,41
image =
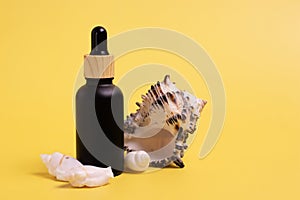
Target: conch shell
x,y
67,168
137,161
162,123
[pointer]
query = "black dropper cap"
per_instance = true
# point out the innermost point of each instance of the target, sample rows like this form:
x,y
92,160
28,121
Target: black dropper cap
x,y
99,41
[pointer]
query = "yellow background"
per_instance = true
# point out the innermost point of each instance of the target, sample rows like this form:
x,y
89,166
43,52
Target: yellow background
x,y
255,45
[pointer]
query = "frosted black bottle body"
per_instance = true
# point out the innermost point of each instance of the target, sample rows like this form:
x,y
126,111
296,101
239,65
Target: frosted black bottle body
x,y
99,124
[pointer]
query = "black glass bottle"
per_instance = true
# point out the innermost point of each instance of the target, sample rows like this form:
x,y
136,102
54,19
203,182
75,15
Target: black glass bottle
x,y
99,112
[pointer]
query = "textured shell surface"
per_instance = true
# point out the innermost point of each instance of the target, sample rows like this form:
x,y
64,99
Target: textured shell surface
x,y
59,164
162,123
67,168
90,176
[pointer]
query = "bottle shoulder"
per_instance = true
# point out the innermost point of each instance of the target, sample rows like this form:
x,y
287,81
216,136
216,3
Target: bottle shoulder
x,y
105,90
85,90
108,90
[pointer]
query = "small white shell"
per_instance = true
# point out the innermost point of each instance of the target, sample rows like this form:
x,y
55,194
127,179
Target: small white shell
x,y
59,164
137,161
90,176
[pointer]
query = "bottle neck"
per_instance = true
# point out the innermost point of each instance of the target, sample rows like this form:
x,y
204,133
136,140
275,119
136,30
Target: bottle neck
x,y
103,81
98,81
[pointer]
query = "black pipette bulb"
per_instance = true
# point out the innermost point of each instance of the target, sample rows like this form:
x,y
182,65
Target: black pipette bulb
x,y
99,41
